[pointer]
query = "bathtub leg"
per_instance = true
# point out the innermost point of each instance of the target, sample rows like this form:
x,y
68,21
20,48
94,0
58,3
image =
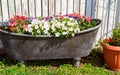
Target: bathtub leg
x,y
77,62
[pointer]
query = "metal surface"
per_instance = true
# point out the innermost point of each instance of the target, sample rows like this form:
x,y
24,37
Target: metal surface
x,y
28,47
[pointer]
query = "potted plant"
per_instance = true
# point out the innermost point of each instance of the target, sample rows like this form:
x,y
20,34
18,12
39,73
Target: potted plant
x,y
54,37
111,50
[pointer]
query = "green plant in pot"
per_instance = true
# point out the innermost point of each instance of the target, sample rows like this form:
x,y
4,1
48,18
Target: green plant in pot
x,y
116,37
111,50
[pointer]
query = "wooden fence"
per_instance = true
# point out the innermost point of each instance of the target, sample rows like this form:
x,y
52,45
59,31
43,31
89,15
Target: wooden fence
x,y
36,8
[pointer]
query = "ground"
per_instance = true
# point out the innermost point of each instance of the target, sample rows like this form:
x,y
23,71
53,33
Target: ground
x,y
91,65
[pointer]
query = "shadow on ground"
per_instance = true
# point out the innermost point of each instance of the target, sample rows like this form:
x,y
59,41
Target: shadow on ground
x,y
95,58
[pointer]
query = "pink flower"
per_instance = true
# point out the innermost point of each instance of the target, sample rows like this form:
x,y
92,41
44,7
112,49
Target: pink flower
x,y
61,17
12,24
79,16
71,15
47,18
12,19
25,27
88,19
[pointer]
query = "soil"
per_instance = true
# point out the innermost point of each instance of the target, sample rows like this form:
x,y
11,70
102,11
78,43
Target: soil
x,y
114,44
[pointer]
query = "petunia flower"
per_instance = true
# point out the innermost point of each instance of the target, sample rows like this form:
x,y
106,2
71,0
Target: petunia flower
x,y
11,28
25,27
88,19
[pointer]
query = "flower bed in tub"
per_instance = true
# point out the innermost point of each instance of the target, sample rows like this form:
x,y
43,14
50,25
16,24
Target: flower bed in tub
x,y
39,47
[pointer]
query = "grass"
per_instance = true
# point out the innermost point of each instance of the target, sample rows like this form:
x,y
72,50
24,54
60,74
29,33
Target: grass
x,y
90,65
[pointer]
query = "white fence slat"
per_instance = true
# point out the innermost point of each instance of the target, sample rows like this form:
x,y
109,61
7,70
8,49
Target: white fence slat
x,y
88,8
45,8
70,6
1,16
11,8
57,6
18,7
76,5
93,10
117,13
111,17
64,6
38,8
25,7
105,19
82,7
4,10
101,8
51,7
31,8
114,6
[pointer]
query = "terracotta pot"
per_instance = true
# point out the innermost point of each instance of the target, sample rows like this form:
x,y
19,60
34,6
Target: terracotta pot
x,y
111,55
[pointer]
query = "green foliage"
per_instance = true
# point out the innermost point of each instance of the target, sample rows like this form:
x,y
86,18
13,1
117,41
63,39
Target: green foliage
x,y
116,36
65,69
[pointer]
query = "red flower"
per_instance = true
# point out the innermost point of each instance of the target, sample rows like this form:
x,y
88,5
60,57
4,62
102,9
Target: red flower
x,y
16,17
22,18
88,19
11,28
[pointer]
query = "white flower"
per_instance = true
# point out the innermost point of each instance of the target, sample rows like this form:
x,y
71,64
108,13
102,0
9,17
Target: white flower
x,y
29,30
64,22
46,25
64,28
64,33
72,24
77,30
69,23
30,25
70,29
53,28
35,21
62,25
71,19
58,25
46,32
57,34
36,26
73,34
38,31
